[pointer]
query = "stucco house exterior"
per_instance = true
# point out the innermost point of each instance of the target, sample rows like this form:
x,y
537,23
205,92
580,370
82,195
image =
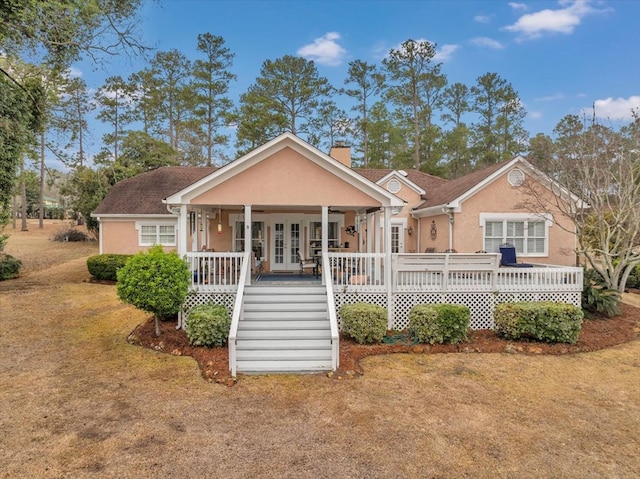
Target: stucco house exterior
x,y
380,235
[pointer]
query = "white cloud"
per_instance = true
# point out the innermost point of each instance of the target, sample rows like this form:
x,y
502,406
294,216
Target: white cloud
x,y
445,52
535,115
482,18
73,72
562,20
486,42
548,98
615,109
518,6
324,50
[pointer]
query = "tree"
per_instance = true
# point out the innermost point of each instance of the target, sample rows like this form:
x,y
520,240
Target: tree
x,y
75,106
456,103
287,94
387,147
155,282
211,84
410,69
140,153
369,83
57,32
541,152
498,135
85,188
331,126
601,165
114,100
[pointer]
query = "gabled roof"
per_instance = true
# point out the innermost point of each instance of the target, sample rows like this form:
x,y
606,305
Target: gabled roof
x,y
143,194
285,140
423,181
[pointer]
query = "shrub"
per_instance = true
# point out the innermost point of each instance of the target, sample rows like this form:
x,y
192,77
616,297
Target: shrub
x,y
9,267
106,266
597,297
155,282
541,321
208,325
365,323
439,323
633,281
71,234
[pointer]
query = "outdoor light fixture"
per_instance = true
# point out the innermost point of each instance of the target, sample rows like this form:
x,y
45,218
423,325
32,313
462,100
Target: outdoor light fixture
x,y
219,221
410,230
350,230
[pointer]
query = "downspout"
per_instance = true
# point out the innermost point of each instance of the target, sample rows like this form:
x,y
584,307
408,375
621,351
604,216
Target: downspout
x,y
449,211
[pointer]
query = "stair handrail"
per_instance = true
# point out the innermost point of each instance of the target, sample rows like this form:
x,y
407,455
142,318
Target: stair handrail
x,y
238,312
333,317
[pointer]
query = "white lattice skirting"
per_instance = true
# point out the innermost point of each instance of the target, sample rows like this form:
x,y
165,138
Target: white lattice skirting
x,y
480,304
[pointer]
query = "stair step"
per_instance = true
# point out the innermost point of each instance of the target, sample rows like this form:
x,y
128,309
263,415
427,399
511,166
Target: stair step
x,y
293,344
286,298
286,325
257,315
283,334
285,306
283,355
278,290
285,366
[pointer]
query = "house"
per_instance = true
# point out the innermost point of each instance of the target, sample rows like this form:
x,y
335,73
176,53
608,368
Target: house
x,y
379,235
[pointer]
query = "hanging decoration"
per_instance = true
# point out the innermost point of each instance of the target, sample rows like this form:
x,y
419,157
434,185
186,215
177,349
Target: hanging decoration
x,y
434,230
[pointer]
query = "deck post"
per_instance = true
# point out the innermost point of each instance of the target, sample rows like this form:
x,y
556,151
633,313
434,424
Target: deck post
x,y
247,238
387,264
182,230
325,230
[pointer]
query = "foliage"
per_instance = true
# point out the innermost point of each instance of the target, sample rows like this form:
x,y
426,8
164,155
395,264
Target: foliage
x,y
9,267
597,297
439,323
70,234
105,267
85,189
364,322
208,325
155,282
540,321
633,281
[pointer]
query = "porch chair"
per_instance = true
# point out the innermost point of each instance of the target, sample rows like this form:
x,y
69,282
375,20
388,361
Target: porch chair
x,y
307,263
508,257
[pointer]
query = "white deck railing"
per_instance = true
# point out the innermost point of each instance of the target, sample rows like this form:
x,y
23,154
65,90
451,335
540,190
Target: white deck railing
x,y
364,270
214,271
333,318
238,312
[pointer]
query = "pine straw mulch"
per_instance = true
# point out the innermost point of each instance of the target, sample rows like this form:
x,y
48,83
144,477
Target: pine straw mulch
x,y
597,333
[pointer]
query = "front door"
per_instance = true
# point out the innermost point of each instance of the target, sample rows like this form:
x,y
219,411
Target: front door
x,y
286,241
397,238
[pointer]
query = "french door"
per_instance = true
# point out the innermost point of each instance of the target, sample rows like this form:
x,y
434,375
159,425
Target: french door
x,y
286,241
397,238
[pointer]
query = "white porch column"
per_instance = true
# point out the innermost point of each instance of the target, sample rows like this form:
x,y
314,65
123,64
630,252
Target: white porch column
x,y
247,237
325,230
387,264
182,230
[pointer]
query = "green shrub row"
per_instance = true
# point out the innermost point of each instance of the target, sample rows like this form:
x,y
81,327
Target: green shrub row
x,y
439,323
105,266
541,321
208,325
9,267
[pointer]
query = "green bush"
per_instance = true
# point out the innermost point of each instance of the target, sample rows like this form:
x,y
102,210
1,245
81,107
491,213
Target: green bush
x,y
105,266
208,325
365,323
597,297
633,281
155,282
9,267
541,321
439,323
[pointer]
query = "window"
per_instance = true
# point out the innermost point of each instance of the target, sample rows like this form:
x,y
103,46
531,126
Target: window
x,y
315,236
528,236
164,234
257,238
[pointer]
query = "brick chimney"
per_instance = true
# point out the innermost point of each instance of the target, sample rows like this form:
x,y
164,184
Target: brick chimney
x,y
341,152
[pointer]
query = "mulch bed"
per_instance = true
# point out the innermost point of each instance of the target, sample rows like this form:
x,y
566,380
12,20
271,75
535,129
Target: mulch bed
x,y
597,333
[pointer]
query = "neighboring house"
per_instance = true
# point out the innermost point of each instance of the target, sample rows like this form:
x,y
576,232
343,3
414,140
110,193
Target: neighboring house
x,y
391,237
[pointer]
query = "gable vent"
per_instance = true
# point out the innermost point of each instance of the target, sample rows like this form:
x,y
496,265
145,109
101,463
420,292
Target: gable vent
x,y
515,177
393,186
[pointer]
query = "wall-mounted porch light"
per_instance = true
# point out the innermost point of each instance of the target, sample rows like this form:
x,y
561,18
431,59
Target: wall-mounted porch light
x,y
410,230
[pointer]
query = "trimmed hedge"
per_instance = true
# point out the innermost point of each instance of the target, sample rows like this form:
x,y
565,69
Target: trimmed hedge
x,y
9,267
105,266
540,321
208,325
439,323
364,322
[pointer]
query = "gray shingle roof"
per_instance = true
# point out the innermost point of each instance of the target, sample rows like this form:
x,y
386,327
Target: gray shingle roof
x,y
143,194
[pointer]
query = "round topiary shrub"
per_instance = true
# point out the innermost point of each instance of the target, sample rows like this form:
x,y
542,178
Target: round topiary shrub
x,y
439,323
155,282
364,322
9,267
208,325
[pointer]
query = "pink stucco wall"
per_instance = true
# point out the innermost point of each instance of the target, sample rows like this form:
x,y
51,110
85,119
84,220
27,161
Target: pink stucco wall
x,y
121,237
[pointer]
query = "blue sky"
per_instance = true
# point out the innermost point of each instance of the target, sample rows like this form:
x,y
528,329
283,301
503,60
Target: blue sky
x,y
560,56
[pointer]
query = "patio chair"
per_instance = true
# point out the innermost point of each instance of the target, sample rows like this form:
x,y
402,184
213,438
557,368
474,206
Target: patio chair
x,y
508,257
307,263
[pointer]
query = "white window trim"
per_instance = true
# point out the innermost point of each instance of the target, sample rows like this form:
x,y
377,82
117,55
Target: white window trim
x,y
546,217
157,224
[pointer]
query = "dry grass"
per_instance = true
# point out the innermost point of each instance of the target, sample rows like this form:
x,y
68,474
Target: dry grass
x,y
79,401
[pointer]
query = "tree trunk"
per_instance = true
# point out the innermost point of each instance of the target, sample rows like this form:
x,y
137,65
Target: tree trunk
x,y
23,194
41,210
157,324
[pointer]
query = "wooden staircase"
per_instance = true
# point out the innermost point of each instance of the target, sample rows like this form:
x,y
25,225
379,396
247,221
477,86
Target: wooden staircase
x,y
284,329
